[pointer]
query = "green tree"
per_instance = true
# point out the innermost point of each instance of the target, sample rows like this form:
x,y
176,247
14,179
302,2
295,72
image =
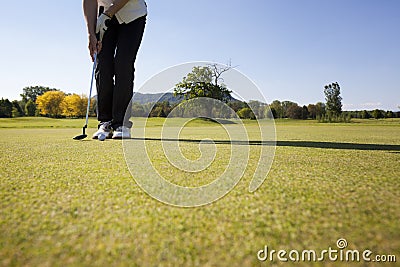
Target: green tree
x,y
286,105
160,112
6,108
202,89
32,92
377,114
389,114
93,106
312,111
138,110
199,74
365,114
157,111
258,108
272,114
277,109
204,82
246,113
30,108
333,99
17,110
160,109
304,112
294,111
237,105
320,109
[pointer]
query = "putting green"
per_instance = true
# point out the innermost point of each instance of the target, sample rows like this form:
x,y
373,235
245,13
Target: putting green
x,y
66,202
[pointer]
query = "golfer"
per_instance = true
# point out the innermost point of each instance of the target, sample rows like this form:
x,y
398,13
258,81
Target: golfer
x,y
115,29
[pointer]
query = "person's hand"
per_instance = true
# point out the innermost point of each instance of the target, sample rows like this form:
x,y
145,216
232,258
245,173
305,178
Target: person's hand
x,y
102,25
94,45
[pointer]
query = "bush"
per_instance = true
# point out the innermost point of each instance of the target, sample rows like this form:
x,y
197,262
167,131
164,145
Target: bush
x,y
246,113
378,114
30,108
6,108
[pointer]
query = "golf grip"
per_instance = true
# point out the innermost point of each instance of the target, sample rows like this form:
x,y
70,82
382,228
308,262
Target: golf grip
x,y
101,10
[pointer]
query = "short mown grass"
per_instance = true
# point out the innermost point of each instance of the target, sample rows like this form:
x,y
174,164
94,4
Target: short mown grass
x,y
74,203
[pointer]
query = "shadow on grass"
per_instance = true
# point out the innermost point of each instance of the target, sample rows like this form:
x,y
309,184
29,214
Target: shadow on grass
x,y
211,120
307,144
335,145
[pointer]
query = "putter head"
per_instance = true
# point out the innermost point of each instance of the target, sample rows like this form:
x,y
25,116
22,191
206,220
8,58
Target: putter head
x,y
80,137
83,135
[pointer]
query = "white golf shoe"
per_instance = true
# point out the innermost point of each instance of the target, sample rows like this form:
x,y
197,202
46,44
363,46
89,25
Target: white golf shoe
x,y
105,128
122,132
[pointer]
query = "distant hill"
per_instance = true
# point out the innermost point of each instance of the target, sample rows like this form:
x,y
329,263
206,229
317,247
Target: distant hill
x,y
159,97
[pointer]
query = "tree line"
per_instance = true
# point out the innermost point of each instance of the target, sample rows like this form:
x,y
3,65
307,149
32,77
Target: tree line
x,y
45,101
203,81
259,110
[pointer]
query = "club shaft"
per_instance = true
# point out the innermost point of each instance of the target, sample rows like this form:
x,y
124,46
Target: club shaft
x,y
91,87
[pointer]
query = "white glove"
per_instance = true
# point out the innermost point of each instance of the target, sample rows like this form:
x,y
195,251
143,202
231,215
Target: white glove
x,y
102,25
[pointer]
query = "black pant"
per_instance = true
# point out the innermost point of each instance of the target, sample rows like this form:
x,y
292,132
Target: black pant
x,y
115,70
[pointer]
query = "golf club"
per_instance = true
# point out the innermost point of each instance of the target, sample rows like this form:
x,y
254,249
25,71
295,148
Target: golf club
x,y
84,135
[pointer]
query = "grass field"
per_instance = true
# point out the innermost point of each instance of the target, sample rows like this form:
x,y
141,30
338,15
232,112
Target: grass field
x,y
74,203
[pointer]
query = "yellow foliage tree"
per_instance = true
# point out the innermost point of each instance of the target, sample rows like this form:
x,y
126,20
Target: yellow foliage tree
x,y
74,105
49,103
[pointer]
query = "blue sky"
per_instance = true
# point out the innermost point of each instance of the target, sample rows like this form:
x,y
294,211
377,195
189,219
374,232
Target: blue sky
x,y
289,48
